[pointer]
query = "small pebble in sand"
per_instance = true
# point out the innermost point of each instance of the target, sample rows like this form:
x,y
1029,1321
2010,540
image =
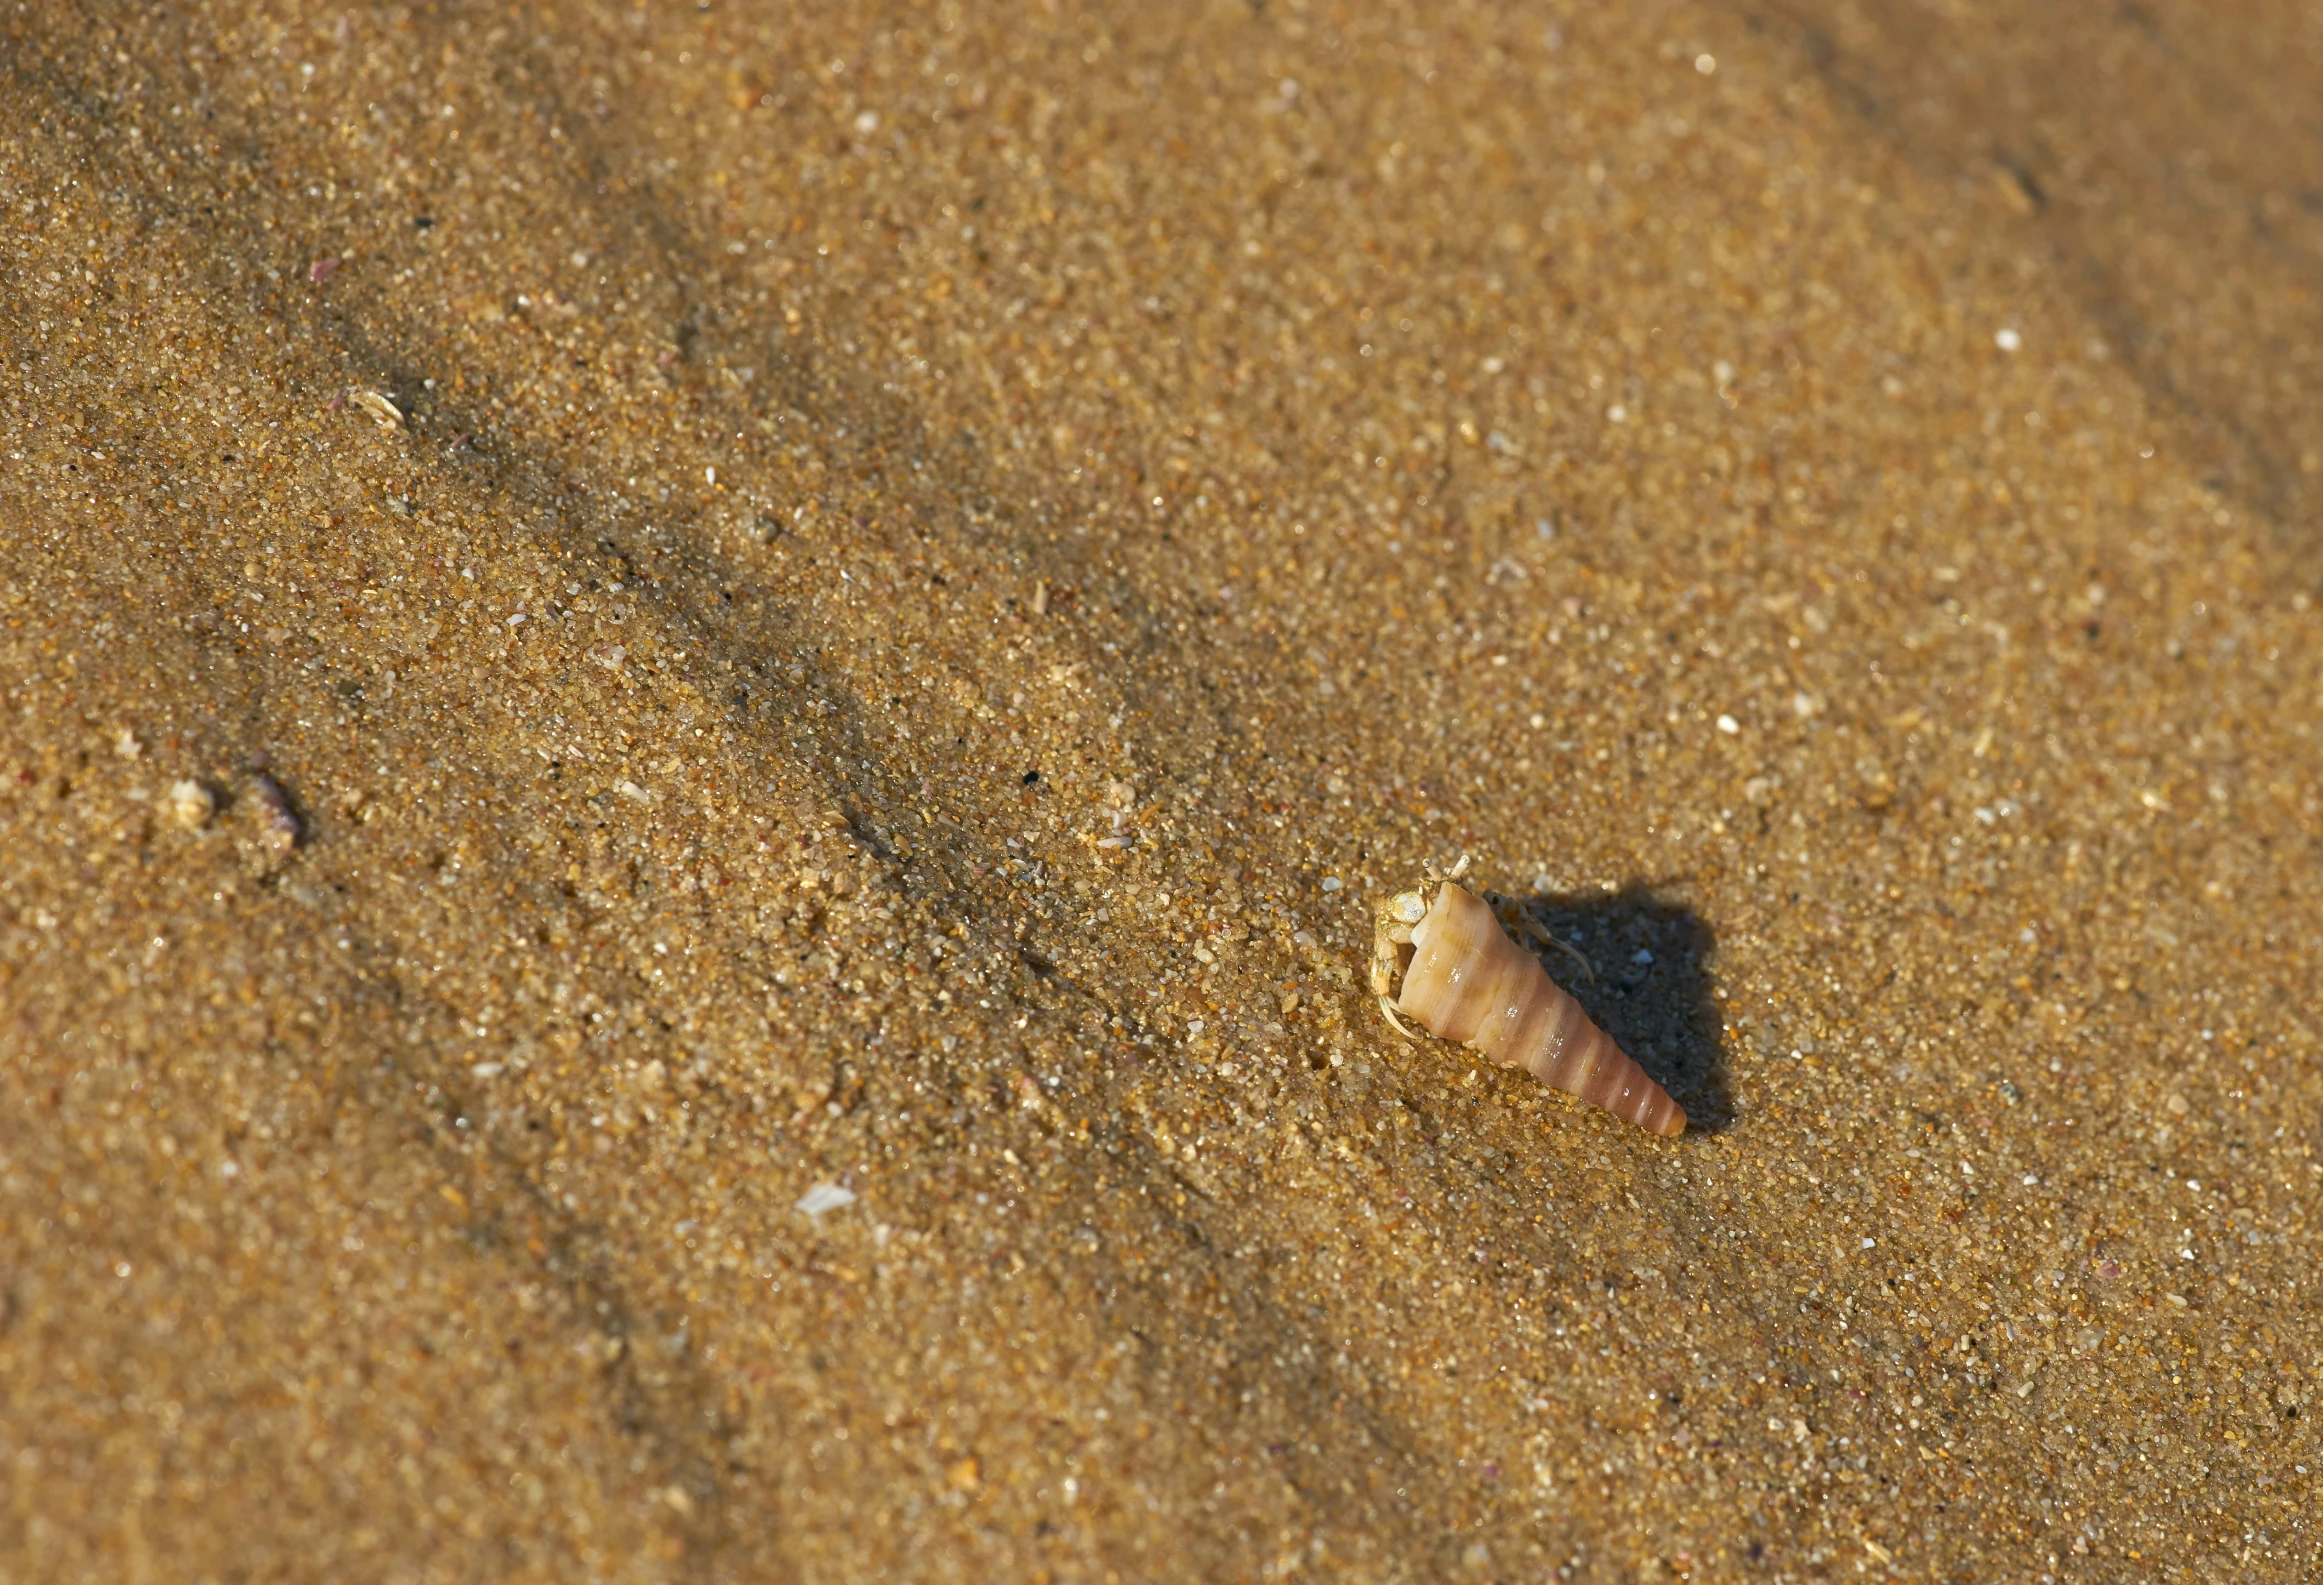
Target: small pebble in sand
x,y
2007,340
278,823
126,745
191,804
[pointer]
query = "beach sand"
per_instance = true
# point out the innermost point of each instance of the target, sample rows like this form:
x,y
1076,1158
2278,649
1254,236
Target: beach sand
x,y
704,704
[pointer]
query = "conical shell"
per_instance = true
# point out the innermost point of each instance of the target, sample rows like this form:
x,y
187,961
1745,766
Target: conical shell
x,y
1469,982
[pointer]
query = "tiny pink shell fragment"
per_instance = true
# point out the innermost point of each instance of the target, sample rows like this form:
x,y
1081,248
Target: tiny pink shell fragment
x,y
278,822
321,269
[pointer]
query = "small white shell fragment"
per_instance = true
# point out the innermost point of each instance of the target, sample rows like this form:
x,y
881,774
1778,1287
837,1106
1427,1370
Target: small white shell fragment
x,y
191,804
1728,725
379,407
825,1197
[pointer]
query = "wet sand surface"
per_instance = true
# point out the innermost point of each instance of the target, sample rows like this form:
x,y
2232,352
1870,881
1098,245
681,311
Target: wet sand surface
x,y
704,705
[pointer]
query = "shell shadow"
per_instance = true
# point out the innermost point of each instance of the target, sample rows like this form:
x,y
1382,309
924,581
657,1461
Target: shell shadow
x,y
1652,991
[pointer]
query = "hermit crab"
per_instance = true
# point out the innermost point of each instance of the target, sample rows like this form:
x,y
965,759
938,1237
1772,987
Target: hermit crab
x,y
1452,965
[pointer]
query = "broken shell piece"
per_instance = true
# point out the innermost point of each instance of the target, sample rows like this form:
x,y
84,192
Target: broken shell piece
x,y
191,804
278,823
825,1197
379,407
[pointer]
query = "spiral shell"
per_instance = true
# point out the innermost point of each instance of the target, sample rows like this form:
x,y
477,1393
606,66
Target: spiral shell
x,y
1467,981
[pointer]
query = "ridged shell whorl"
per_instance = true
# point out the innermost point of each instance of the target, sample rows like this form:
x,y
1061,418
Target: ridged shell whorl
x,y
1468,981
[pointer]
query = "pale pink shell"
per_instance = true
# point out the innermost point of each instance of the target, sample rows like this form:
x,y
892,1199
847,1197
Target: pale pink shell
x,y
1469,982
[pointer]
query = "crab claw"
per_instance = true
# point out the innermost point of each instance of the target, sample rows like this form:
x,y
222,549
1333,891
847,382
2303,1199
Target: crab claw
x,y
1387,1011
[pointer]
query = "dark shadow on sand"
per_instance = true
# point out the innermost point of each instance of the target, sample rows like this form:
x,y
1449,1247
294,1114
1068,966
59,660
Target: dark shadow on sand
x,y
1652,990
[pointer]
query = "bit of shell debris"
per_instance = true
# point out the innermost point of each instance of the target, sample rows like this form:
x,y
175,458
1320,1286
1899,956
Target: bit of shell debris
x,y
278,823
379,407
825,1197
191,804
